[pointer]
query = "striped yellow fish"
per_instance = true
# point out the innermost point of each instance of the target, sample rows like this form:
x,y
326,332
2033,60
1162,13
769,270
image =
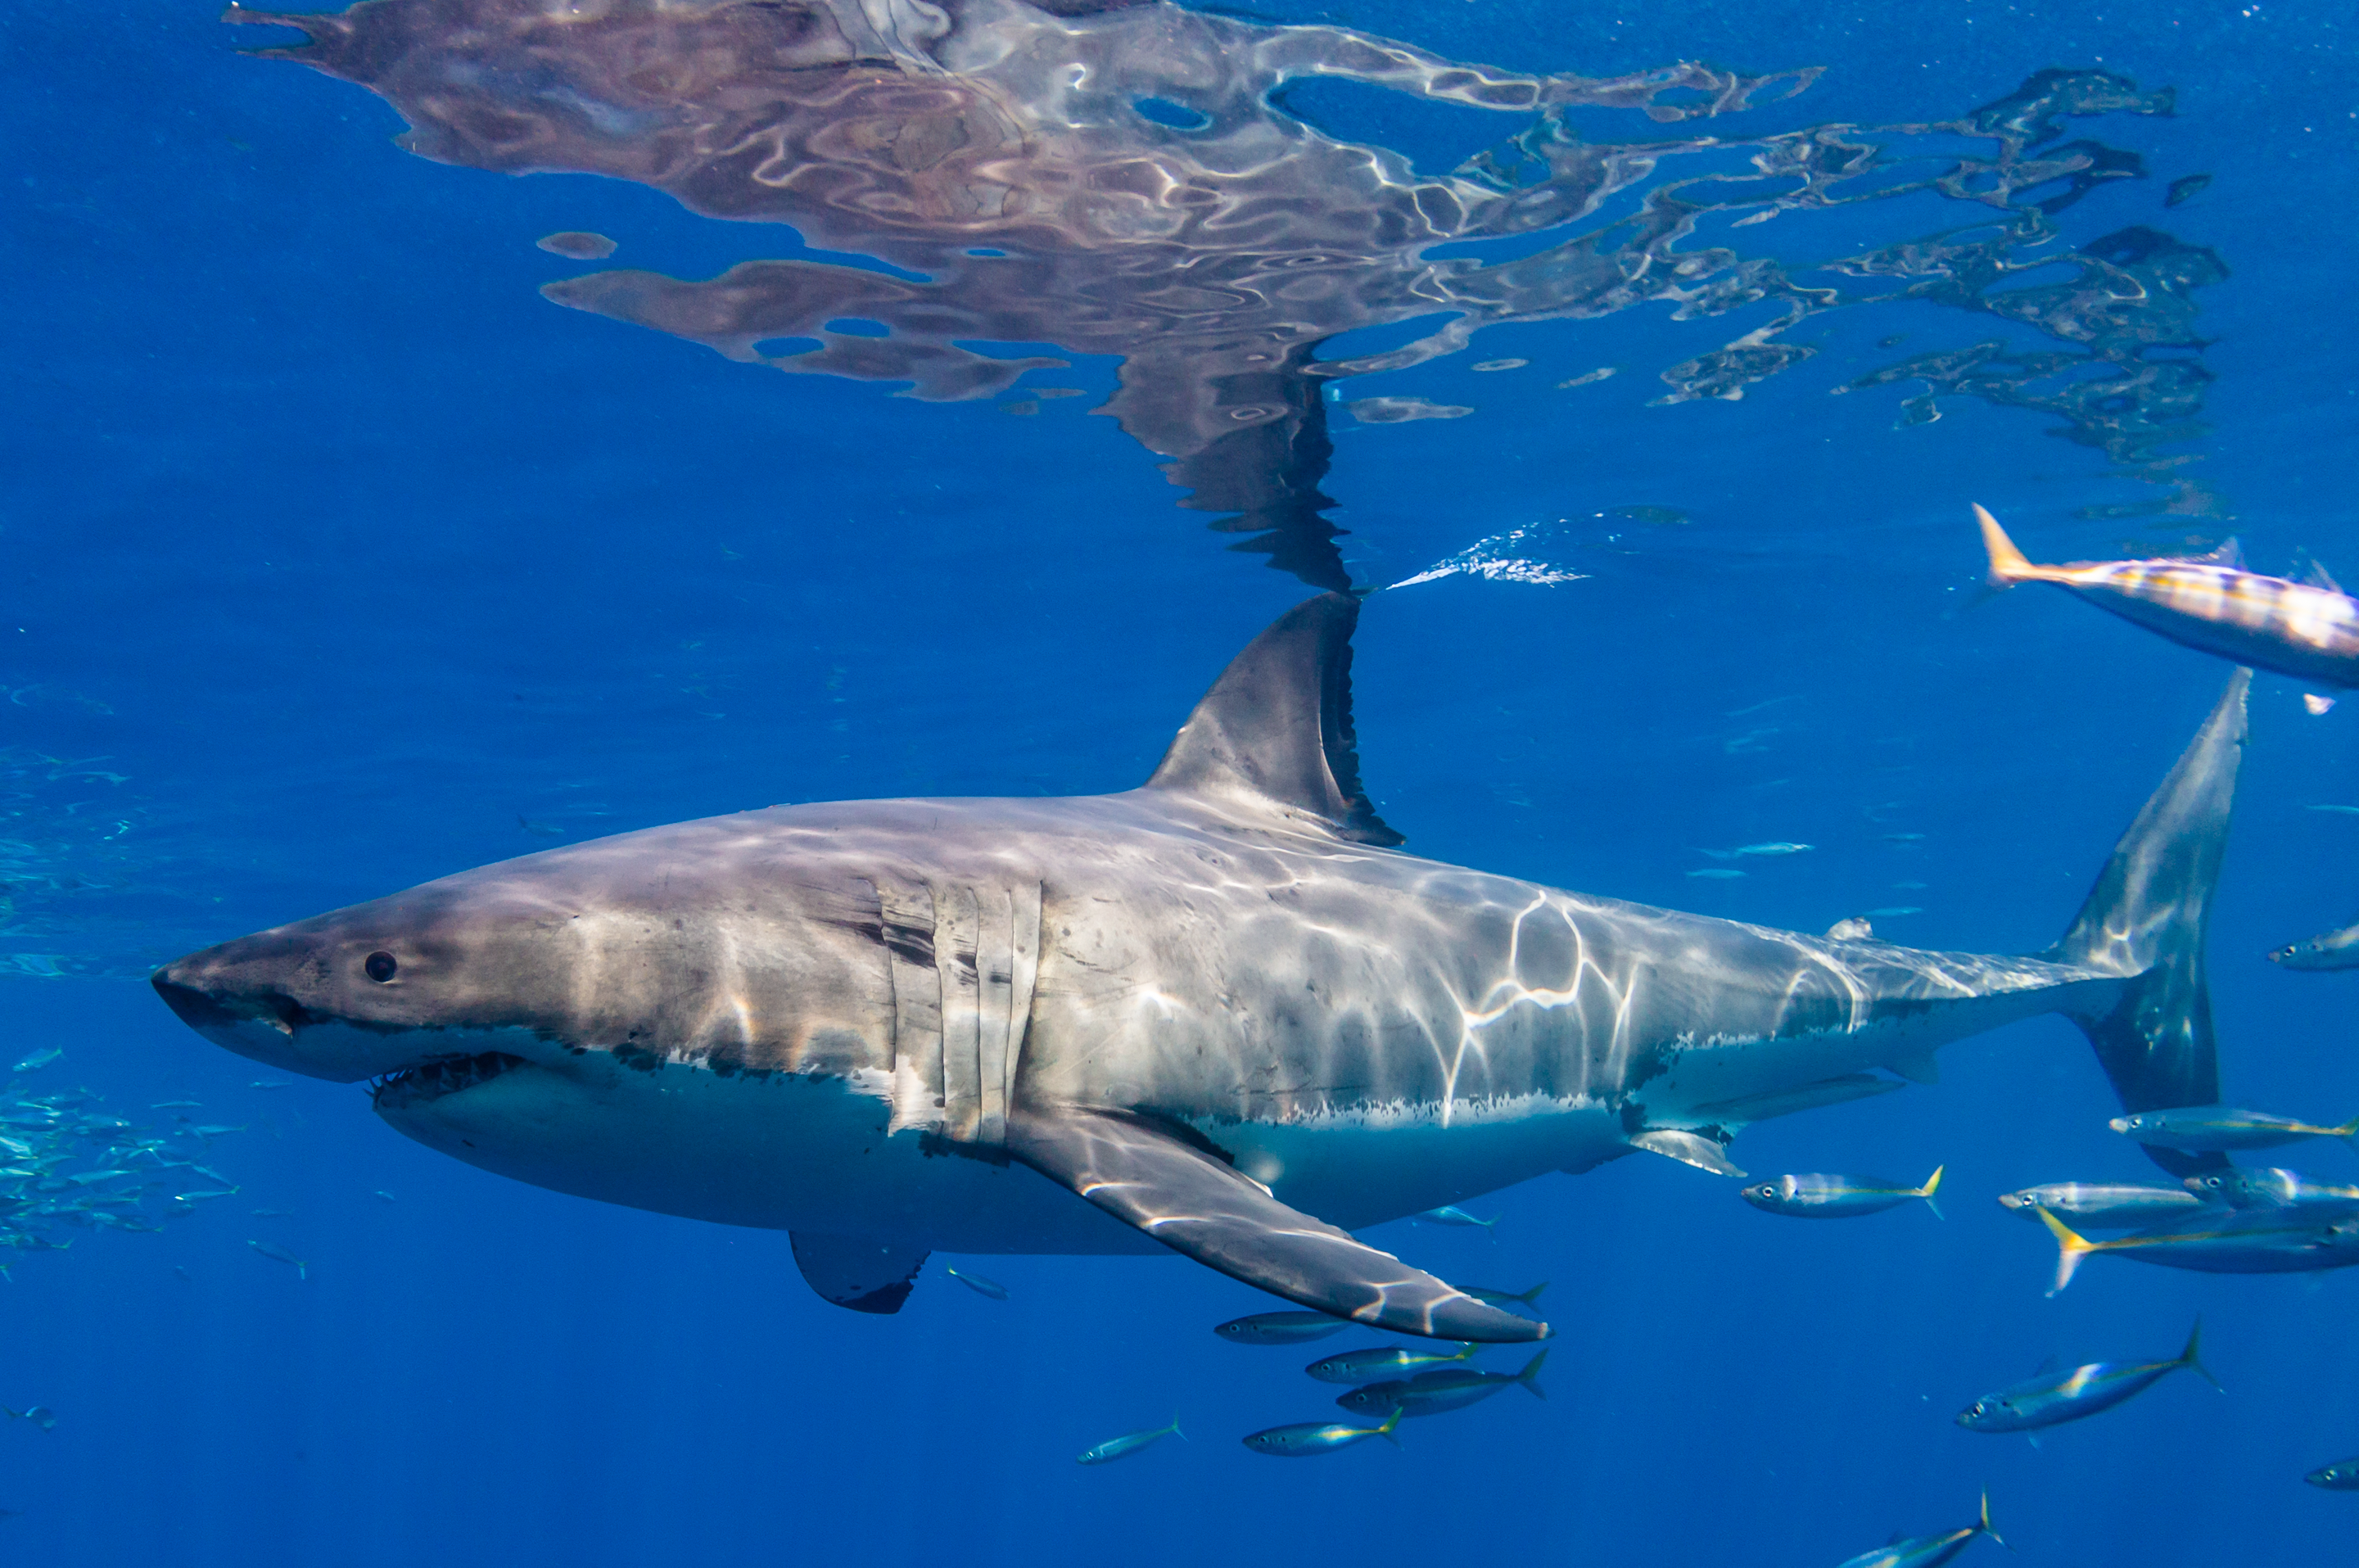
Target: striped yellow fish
x,y
2307,630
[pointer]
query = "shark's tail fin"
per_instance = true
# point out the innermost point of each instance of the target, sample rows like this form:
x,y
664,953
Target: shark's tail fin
x,y
2146,920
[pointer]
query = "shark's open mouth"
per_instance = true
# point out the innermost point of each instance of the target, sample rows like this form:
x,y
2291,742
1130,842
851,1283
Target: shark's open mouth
x,y
432,1080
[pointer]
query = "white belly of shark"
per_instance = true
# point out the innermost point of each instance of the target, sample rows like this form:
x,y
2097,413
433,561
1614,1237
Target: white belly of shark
x,y
1192,1016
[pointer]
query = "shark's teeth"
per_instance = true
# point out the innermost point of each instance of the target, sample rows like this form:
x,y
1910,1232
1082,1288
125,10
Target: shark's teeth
x,y
432,1080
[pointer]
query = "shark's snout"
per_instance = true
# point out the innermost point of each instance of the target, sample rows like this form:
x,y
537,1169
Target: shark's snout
x,y
247,1001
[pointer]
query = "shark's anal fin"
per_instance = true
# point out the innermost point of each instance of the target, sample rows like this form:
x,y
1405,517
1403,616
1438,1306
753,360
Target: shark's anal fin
x,y
1191,1201
1276,726
858,1272
1687,1148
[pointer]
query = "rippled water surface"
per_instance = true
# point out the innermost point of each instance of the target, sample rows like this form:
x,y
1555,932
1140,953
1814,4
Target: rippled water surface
x,y
453,428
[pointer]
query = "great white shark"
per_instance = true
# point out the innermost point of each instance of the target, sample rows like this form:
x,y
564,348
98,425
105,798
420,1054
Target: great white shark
x,y
1196,1014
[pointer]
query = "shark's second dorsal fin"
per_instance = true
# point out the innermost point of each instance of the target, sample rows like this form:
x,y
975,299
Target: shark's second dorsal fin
x,y
2228,552
1277,725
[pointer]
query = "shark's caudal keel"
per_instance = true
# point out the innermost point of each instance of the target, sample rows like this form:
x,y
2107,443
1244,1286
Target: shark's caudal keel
x,y
1192,1016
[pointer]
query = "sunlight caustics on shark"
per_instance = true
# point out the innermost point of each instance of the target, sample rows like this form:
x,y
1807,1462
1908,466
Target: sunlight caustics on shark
x,y
1197,1014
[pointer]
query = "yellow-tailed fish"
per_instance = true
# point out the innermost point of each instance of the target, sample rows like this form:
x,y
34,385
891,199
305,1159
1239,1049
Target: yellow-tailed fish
x,y
2055,1397
1926,1550
2308,630
1822,1197
2238,1241
1305,1438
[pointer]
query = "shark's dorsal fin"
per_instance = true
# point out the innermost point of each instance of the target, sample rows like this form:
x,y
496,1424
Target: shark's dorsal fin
x,y
2319,577
1277,725
2228,552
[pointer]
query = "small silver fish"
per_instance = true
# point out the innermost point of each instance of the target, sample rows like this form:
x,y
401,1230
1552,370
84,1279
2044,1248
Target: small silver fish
x,y
1356,1367
2334,950
1716,873
39,1415
385,1196
2093,1206
2082,1391
268,1083
1449,1388
177,1106
1822,1197
273,1250
2203,1129
2343,1476
1285,1328
37,1061
273,1213
203,1193
1926,1550
978,1284
1115,1448
1774,847
1305,1438
1450,1215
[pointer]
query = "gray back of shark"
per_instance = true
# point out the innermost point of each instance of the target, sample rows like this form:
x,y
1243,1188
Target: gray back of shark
x,y
1195,1013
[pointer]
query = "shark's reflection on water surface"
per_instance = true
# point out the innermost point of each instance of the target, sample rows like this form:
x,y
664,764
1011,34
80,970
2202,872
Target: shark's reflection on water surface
x,y
1153,183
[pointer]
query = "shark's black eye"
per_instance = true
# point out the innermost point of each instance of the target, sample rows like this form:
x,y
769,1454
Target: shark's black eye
x,y
379,966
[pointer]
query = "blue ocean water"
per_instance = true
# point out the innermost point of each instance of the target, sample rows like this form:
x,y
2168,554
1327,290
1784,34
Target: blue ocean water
x,y
339,558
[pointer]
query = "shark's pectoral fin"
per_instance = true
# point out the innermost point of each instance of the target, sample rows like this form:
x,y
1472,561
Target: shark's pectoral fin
x,y
859,1272
1918,1067
1192,1201
1687,1148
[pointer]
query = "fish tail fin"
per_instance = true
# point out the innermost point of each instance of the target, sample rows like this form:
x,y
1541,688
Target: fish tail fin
x,y
1466,1352
1932,1185
2146,920
1530,1376
2349,1133
1984,1524
2189,1359
1175,1428
2008,564
1531,1298
2070,1249
1387,1432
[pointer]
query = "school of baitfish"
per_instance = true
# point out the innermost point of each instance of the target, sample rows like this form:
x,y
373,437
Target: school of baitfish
x,y
70,1167
2219,1219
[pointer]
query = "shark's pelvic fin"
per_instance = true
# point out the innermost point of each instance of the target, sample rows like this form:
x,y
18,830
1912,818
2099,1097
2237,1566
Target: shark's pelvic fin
x,y
1277,725
858,1272
1687,1148
2146,922
1192,1201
